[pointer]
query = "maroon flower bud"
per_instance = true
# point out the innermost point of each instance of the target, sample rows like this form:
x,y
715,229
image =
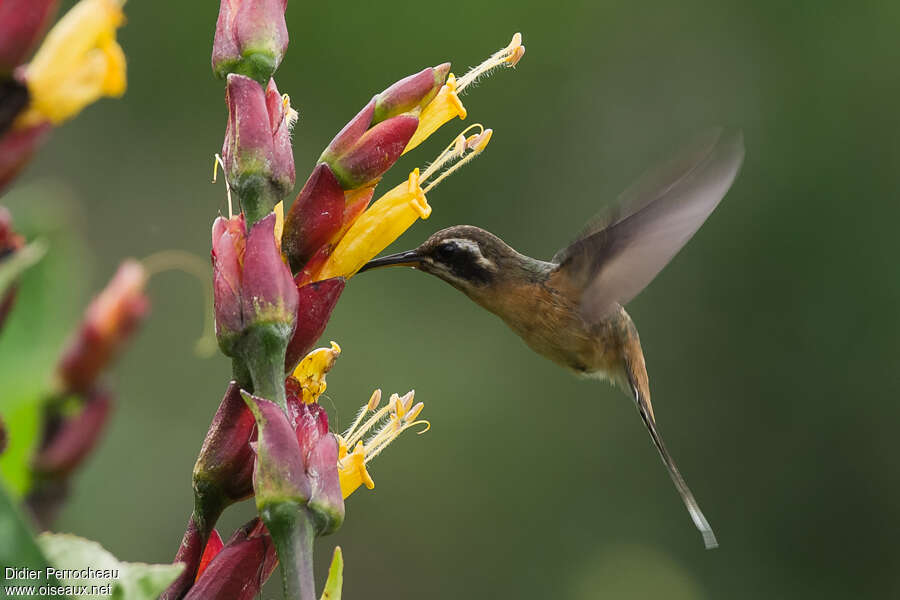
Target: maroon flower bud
x,y
69,442
223,473
259,162
316,301
251,38
21,24
410,94
16,148
253,288
376,137
108,323
239,570
315,216
373,153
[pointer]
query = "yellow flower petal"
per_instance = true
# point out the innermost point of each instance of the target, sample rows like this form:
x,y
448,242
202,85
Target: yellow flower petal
x,y
375,229
443,108
352,471
312,369
78,63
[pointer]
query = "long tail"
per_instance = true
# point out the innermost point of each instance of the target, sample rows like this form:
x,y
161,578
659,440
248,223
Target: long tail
x,y
637,380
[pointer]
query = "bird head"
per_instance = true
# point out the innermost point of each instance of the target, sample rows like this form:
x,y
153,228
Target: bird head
x,y
466,257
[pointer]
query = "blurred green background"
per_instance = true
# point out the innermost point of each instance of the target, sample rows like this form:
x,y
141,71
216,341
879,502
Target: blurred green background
x,y
771,340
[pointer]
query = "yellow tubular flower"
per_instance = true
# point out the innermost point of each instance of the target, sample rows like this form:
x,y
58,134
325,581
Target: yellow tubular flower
x,y
375,229
397,210
447,104
78,63
387,424
444,107
312,369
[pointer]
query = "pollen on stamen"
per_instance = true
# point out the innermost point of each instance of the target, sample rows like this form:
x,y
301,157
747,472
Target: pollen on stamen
x,y
453,159
374,401
506,57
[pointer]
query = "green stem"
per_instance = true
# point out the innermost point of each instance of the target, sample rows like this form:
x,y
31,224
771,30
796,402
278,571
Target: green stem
x,y
256,200
241,374
293,532
265,361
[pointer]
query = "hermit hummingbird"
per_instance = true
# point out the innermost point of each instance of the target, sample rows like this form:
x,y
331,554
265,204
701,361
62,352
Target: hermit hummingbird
x,y
570,309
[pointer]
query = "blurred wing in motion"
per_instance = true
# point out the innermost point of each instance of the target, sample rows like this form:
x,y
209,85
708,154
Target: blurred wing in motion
x,y
622,250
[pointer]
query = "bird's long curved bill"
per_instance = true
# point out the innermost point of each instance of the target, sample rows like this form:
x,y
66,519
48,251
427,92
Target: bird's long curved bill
x,y
410,258
709,538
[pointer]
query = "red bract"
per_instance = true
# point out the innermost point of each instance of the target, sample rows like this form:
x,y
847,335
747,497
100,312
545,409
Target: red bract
x,y
21,24
213,547
239,570
316,216
316,301
251,38
107,324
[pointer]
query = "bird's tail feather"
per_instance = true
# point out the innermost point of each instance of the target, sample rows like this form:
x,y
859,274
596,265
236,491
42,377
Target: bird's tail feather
x,y
640,389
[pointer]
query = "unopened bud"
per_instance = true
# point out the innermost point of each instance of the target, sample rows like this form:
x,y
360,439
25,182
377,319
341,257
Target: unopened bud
x,y
223,473
251,38
74,437
257,155
411,93
253,288
107,325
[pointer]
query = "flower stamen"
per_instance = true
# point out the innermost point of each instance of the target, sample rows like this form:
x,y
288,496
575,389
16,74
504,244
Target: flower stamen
x,y
505,57
389,422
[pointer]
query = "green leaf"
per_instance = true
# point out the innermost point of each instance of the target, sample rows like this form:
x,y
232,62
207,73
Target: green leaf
x,y
18,548
117,580
335,581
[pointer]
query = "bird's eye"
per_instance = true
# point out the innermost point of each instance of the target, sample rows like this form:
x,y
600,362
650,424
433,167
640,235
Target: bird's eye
x,y
448,251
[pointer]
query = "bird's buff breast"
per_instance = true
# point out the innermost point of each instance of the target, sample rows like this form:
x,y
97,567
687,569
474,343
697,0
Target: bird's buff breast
x,y
552,326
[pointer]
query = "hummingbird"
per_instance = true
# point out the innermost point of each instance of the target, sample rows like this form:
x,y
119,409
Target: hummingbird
x,y
570,309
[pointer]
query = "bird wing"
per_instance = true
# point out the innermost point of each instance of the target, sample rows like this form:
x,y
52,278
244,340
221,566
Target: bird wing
x,y
623,249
